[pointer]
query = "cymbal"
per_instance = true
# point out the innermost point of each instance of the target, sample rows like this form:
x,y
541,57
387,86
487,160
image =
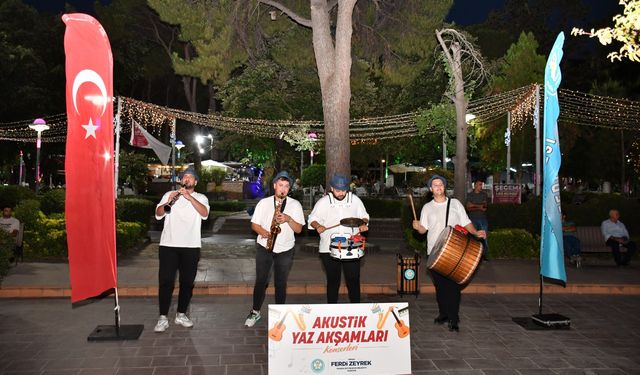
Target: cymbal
x,y
352,222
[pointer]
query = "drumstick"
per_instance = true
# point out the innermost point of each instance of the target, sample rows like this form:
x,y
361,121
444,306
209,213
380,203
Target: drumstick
x,y
333,226
413,209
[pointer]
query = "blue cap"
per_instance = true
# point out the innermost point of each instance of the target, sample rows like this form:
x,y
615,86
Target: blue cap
x,y
437,177
192,172
339,182
282,174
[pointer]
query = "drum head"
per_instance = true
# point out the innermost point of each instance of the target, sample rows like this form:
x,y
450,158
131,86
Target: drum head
x,y
438,246
351,222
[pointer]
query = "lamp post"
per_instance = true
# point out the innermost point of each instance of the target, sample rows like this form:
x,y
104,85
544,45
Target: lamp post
x,y
39,125
179,146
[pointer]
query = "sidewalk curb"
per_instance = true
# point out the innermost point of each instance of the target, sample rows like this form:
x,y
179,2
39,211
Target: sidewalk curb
x,y
319,289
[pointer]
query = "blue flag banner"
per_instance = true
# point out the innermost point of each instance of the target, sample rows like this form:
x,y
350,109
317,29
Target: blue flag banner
x,y
551,249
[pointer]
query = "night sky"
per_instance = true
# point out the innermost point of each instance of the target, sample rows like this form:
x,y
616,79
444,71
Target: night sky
x,y
464,12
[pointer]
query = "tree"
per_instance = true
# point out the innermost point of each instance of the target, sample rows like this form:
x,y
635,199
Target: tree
x,y
333,60
391,46
459,52
625,31
519,67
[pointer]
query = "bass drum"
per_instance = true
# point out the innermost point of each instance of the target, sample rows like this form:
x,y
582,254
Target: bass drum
x,y
455,255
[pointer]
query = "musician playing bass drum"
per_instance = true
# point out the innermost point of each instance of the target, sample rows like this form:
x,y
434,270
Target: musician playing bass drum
x,y
275,219
338,204
433,218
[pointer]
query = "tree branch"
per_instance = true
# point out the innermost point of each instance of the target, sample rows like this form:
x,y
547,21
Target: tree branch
x,y
291,14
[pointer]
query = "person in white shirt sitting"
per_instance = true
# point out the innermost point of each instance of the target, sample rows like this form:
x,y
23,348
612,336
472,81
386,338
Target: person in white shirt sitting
x,y
616,235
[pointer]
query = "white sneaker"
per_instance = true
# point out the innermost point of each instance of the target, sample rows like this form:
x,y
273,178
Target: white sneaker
x,y
162,325
252,318
183,320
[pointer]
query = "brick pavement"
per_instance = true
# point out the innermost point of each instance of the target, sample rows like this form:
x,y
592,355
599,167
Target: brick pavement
x,y
47,336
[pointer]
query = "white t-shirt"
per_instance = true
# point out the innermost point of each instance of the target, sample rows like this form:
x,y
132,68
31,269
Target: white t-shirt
x,y
263,216
433,216
182,225
9,224
328,211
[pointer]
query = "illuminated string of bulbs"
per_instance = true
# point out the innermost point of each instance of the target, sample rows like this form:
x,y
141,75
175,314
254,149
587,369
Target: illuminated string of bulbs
x,y
577,108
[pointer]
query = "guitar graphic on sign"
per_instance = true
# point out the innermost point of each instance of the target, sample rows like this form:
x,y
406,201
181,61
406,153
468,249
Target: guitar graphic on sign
x,y
403,329
275,333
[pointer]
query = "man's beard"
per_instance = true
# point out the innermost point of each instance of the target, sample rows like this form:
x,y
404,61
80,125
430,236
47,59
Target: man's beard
x,y
281,195
337,198
188,186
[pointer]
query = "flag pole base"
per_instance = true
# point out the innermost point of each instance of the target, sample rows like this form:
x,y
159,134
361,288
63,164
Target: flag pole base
x,y
552,320
114,333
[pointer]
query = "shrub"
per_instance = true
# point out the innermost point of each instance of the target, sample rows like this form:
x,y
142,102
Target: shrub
x,y
128,236
207,175
232,205
135,210
28,212
389,208
7,244
12,195
513,244
313,175
48,241
53,201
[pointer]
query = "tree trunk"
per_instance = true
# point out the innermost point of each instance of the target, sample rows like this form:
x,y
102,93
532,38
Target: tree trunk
x,y
334,72
460,174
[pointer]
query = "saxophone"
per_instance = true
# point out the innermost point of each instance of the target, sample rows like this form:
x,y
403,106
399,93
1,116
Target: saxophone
x,y
275,227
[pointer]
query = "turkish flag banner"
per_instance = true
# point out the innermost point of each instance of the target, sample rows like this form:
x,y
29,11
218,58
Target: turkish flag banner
x,y
89,168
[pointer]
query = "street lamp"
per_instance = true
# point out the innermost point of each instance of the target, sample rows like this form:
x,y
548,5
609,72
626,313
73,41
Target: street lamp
x,y
179,146
39,125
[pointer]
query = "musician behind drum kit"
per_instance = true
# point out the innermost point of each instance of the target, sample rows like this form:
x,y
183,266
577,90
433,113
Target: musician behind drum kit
x,y
275,220
339,217
434,217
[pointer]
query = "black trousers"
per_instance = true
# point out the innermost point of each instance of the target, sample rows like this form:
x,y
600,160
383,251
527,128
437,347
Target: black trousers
x,y
448,296
333,269
621,259
281,263
172,260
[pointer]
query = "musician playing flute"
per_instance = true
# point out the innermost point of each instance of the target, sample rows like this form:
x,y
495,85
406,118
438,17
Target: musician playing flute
x,y
433,219
183,211
276,218
338,204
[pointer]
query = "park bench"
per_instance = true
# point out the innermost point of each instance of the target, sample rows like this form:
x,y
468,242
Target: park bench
x,y
592,241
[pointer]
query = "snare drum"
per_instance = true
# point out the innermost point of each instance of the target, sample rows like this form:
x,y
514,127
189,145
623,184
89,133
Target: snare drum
x,y
455,255
343,248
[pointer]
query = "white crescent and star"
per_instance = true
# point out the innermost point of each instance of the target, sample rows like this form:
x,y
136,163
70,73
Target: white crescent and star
x,y
88,75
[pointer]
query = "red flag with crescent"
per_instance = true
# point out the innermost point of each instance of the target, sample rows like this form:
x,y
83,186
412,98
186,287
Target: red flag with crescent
x,y
90,196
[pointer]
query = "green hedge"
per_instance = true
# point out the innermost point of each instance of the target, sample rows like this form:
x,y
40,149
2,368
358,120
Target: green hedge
x,y
232,205
592,210
12,195
383,208
49,240
513,244
135,210
53,201
28,212
7,244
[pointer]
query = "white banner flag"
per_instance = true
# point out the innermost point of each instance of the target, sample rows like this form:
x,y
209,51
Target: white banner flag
x,y
141,138
354,338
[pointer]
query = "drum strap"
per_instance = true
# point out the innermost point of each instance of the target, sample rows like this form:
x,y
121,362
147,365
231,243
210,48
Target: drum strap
x,y
446,220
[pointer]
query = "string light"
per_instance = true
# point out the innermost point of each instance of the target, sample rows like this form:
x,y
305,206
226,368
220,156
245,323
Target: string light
x,y
576,108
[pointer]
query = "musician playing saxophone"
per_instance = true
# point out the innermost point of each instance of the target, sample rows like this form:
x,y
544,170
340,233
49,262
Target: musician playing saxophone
x,y
433,218
275,220
183,211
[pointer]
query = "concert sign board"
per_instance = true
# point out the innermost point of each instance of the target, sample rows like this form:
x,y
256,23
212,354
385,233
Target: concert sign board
x,y
358,338
506,193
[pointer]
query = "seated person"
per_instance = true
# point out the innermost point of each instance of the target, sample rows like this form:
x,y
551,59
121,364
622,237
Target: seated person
x,y
572,246
8,223
616,235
